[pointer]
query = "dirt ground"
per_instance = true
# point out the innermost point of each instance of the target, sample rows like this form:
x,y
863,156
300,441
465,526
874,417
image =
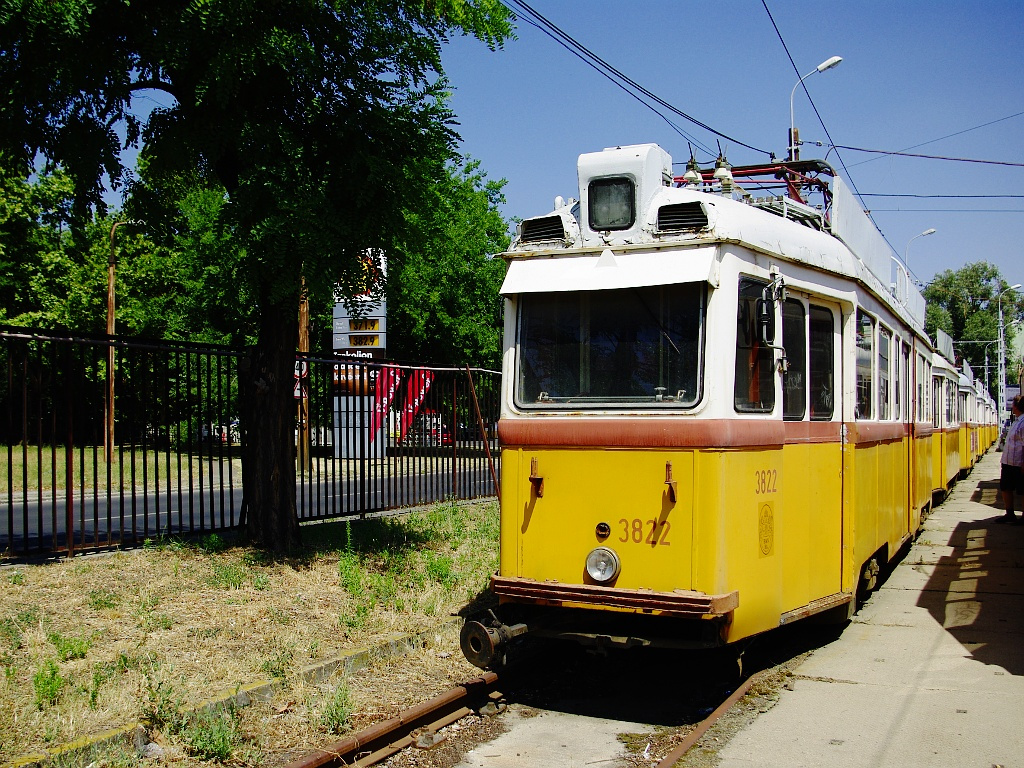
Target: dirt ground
x,y
103,641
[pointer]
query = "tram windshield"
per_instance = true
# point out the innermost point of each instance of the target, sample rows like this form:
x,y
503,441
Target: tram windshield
x,y
627,347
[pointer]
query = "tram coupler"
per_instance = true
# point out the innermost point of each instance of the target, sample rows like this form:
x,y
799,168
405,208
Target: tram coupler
x,y
485,646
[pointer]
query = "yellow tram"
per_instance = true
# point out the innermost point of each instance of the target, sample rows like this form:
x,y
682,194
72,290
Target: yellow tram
x,y
717,408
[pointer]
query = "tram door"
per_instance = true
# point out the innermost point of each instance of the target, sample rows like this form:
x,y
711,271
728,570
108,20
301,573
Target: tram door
x,y
812,387
904,413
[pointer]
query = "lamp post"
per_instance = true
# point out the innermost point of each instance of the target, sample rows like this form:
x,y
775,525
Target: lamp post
x,y
793,136
906,251
1002,354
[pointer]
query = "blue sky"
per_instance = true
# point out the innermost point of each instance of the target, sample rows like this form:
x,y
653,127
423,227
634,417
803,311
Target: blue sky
x,y
911,72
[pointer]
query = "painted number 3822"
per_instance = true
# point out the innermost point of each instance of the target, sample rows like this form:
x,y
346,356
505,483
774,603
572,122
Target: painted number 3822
x,y
765,481
645,531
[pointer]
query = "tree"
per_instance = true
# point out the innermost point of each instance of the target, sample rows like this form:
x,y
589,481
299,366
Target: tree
x,y
965,304
324,121
443,283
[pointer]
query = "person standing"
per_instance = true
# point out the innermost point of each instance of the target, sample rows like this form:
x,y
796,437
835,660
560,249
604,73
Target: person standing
x,y
1011,475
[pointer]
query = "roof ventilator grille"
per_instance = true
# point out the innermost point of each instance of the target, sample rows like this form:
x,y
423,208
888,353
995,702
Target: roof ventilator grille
x,y
682,216
546,228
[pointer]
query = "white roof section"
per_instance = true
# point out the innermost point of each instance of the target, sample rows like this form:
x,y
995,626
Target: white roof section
x,y
610,270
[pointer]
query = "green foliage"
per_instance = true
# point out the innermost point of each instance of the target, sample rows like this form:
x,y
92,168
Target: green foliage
x,y
69,647
211,735
292,145
336,712
16,578
162,705
102,598
443,282
277,664
212,544
965,304
231,575
47,684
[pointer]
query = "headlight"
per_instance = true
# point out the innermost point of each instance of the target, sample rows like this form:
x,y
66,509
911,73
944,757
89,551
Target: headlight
x,y
602,565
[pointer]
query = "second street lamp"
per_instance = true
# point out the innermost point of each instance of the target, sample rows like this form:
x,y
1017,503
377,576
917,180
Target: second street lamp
x,y
793,139
1002,356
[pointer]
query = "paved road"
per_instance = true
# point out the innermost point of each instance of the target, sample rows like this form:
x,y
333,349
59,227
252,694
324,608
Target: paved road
x,y
213,507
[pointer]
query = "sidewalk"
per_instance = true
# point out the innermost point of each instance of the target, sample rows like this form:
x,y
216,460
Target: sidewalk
x,y
931,670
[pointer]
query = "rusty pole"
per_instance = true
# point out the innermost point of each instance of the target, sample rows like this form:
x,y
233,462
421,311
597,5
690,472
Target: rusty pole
x,y
483,431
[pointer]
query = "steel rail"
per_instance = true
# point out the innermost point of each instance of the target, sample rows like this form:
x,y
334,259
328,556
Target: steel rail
x,y
383,739
702,727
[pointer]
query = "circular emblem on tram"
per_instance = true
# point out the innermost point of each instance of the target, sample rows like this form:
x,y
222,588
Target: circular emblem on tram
x,y
766,529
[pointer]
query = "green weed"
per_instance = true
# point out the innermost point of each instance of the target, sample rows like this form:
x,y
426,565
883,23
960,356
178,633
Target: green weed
x,y
277,664
162,706
211,544
228,575
350,571
17,578
440,568
102,598
47,684
157,621
336,713
211,735
69,647
260,582
358,617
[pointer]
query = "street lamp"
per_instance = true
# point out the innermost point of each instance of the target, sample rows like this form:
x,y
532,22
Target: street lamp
x,y
793,138
1002,354
906,251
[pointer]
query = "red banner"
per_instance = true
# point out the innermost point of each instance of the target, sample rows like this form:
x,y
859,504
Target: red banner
x,y
415,393
384,391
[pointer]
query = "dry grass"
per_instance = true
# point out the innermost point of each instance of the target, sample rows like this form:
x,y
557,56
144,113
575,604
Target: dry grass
x,y
100,642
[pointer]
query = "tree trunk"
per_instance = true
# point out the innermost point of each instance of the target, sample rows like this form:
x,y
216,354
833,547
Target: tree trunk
x,y
268,417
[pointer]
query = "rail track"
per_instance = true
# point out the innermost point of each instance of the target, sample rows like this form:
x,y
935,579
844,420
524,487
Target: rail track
x,y
688,698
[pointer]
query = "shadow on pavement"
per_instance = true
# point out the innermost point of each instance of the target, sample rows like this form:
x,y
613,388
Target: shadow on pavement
x,y
975,588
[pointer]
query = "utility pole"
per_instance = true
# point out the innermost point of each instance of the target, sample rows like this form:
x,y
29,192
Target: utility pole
x,y
302,447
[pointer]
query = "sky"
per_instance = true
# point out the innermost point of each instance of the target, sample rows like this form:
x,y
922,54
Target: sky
x,y
912,72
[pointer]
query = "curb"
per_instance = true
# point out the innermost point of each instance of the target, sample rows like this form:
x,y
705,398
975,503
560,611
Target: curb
x,y
243,695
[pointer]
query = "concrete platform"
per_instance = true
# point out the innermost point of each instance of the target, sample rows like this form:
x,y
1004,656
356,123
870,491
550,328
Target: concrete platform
x,y
931,671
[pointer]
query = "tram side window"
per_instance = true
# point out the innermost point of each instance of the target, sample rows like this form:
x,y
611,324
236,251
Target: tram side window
x,y
884,347
822,363
794,380
936,388
865,358
755,381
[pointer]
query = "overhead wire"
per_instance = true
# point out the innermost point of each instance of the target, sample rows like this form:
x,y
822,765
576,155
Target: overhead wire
x,y
927,157
536,25
948,136
616,76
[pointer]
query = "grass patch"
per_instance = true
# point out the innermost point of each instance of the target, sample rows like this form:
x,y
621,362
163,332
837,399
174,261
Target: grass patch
x,y
102,598
211,735
69,648
229,575
336,712
47,684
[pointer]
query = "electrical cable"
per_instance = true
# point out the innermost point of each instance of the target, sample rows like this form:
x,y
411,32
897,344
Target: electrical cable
x,y
604,67
949,135
927,157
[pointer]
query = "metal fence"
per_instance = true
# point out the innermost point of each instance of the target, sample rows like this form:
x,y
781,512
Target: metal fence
x,y
110,442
